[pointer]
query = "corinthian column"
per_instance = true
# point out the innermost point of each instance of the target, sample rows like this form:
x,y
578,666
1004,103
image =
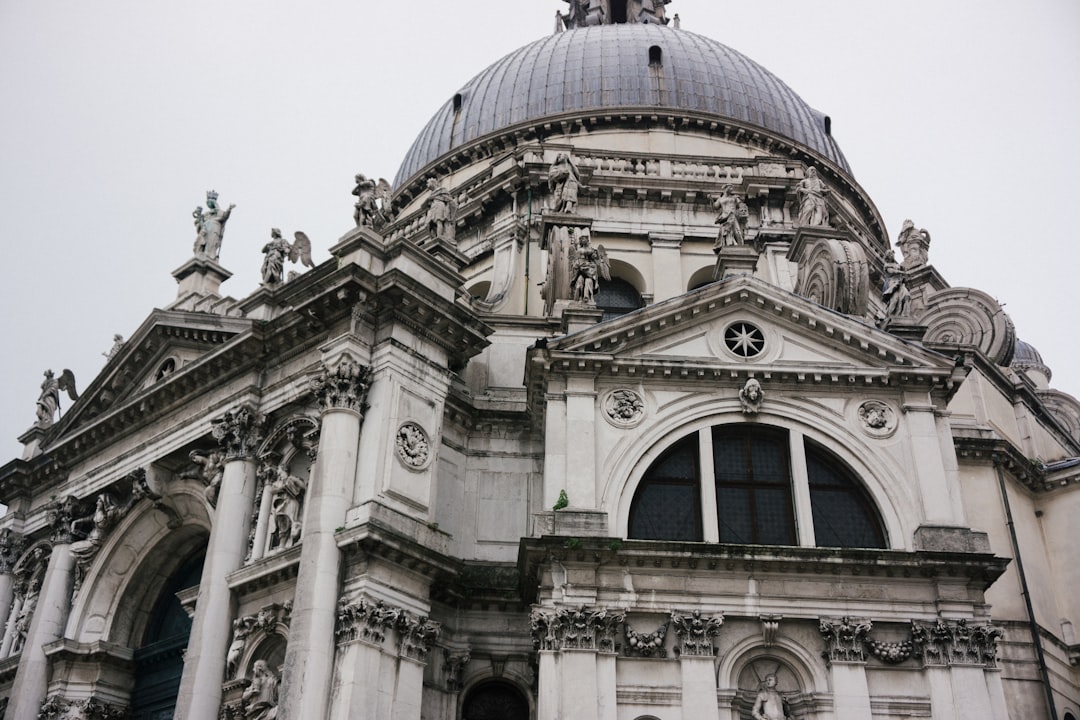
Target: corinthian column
x,y
239,433
341,389
51,605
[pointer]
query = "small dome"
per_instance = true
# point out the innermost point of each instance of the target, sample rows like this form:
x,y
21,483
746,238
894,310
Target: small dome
x,y
1027,357
631,67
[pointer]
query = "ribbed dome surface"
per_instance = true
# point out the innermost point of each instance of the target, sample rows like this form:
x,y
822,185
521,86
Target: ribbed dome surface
x,y
608,67
1027,357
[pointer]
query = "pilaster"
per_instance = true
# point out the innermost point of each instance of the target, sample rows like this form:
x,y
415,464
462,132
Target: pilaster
x,y
845,654
238,432
695,636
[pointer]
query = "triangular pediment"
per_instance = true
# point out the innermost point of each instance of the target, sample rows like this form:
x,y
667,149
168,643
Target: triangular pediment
x,y
747,326
161,354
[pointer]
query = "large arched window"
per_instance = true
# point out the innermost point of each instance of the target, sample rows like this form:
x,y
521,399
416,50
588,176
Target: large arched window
x,y
735,484
617,297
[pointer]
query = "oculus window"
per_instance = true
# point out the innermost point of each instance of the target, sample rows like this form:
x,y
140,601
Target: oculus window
x,y
734,484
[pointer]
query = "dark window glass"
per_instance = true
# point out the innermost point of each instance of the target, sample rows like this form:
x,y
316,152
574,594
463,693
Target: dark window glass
x,y
667,504
844,514
617,297
753,485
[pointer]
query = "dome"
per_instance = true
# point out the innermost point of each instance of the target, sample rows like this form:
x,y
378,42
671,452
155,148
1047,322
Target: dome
x,y
1027,357
625,67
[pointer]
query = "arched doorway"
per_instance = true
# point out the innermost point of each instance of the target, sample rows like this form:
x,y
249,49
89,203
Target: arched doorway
x,y
495,700
159,657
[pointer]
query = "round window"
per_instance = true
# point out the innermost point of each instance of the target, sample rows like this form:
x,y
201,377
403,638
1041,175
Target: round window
x,y
744,340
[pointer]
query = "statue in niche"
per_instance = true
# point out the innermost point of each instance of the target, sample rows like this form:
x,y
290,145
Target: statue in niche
x,y
811,191
372,201
261,696
894,293
751,396
914,244
48,402
564,180
588,264
213,468
770,704
732,214
442,213
278,249
210,226
286,493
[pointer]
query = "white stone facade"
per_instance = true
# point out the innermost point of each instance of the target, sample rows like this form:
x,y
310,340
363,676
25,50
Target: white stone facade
x,y
395,487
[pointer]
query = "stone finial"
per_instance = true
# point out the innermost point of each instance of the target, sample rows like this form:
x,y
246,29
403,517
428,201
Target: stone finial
x,y
696,633
844,639
239,432
343,386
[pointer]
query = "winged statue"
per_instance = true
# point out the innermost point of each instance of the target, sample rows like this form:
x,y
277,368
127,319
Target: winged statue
x,y
278,250
48,401
588,264
372,201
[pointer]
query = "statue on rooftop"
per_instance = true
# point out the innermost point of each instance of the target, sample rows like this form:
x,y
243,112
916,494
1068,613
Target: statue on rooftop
x,y
117,346
812,208
914,244
278,249
442,212
588,264
372,201
731,217
210,226
894,293
564,180
48,402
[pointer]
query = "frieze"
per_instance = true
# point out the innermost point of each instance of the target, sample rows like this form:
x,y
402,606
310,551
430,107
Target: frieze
x,y
954,642
343,386
844,639
695,634
239,432
580,629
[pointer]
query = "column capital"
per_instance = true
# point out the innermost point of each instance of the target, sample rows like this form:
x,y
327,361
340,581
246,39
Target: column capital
x,y
239,432
581,629
342,384
12,545
954,642
695,634
416,636
844,639
61,512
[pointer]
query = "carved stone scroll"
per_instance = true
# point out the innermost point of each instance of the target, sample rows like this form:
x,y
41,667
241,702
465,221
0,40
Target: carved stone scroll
x,y
835,274
965,316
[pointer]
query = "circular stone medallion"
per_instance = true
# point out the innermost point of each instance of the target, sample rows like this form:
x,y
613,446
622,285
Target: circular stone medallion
x,y
624,408
413,446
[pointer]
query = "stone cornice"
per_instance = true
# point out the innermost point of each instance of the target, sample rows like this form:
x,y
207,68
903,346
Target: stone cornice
x,y
977,570
987,447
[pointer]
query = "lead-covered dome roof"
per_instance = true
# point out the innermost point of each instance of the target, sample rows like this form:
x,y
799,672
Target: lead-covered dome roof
x,y
614,67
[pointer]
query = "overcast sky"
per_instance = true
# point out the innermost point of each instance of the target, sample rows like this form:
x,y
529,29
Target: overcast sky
x,y
118,115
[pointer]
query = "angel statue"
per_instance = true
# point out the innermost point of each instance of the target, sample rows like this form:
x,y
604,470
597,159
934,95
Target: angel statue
x,y
588,263
48,401
372,201
273,267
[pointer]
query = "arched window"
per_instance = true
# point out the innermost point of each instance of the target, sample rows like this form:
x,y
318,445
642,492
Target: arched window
x,y
666,506
495,701
734,484
617,297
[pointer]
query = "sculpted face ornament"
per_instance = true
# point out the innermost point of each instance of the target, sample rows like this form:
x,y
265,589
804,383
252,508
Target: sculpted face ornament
x,y
877,418
624,408
751,396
